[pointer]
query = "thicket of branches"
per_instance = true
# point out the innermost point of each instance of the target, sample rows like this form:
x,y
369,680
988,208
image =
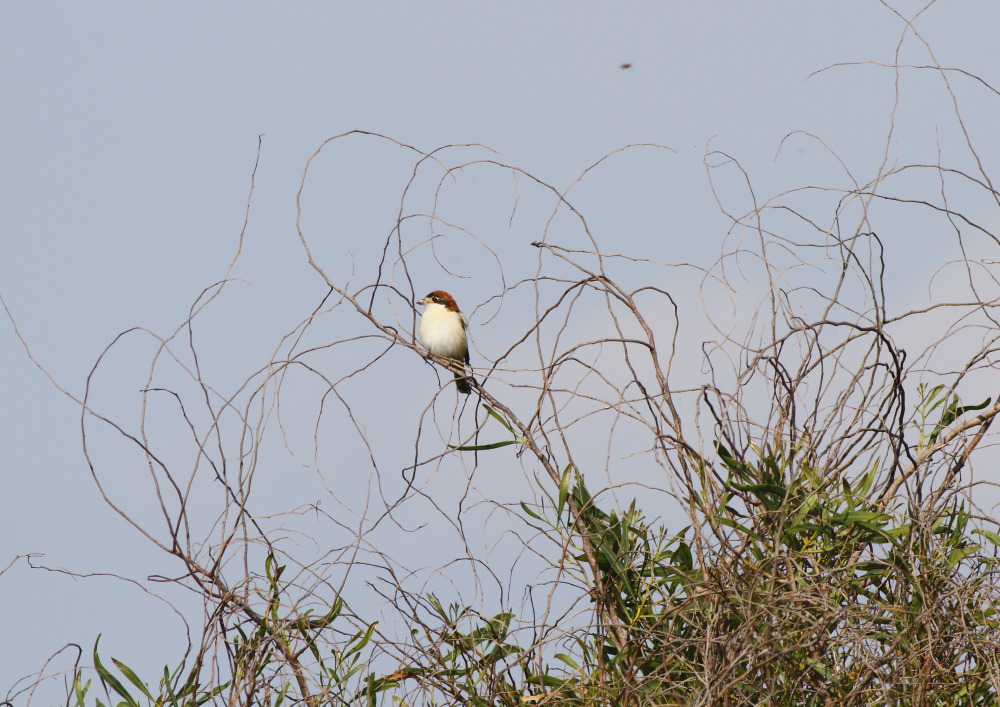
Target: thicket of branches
x,y
755,480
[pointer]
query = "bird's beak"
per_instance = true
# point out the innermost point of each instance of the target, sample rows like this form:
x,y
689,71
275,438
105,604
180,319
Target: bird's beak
x,y
421,301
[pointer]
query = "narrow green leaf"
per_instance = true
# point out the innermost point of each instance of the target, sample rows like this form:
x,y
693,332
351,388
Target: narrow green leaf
x,y
321,622
80,690
548,681
110,680
483,447
281,695
771,495
729,460
567,476
683,558
132,677
737,526
803,528
952,413
272,572
499,418
531,512
568,661
989,535
971,408
360,641
860,517
865,483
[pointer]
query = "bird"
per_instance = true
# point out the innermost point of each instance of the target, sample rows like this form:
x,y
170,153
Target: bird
x,y
442,332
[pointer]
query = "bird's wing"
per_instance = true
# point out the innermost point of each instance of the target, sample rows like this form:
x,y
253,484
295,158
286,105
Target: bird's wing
x,y
465,328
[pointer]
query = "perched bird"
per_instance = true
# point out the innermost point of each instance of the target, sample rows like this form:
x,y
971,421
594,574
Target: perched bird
x,y
442,331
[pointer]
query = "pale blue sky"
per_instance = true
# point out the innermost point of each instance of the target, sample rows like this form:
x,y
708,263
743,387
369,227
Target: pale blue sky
x,y
130,132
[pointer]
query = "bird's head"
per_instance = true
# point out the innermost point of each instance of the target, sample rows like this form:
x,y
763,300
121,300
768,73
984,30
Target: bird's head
x,y
439,298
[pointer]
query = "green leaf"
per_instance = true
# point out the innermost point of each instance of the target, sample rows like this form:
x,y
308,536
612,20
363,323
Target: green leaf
x,y
933,401
860,517
568,661
281,695
531,513
132,677
989,535
971,408
567,476
273,574
874,567
771,495
729,460
360,641
960,553
804,528
80,690
110,680
483,447
742,528
548,681
683,558
952,413
499,418
215,691
320,622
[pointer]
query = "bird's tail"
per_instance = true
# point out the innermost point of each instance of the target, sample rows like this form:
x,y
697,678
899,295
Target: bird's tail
x,y
462,381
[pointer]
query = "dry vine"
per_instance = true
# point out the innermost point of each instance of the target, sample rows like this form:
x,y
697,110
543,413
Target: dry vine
x,y
806,501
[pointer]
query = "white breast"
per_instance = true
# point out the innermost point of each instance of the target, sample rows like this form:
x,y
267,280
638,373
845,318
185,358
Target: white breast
x,y
442,332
